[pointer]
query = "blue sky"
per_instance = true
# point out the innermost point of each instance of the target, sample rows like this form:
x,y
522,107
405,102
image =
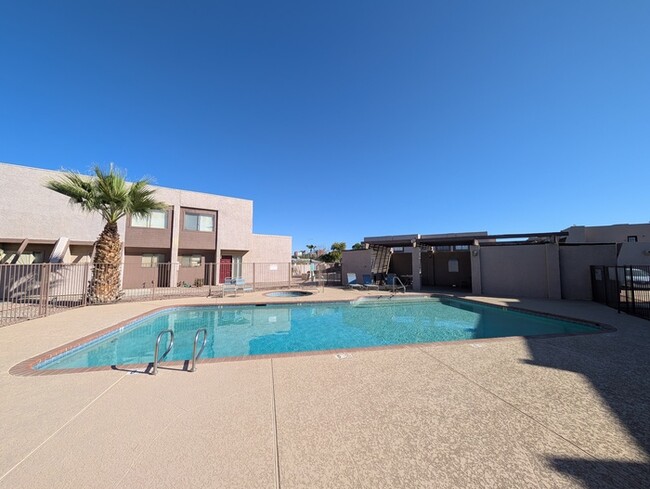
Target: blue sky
x,y
345,119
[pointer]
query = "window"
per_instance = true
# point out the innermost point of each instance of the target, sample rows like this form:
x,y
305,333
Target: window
x,y
199,222
188,261
452,265
443,248
30,257
461,247
155,219
152,260
632,239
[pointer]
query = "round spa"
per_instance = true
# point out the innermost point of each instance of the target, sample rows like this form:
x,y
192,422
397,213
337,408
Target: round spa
x,y
288,293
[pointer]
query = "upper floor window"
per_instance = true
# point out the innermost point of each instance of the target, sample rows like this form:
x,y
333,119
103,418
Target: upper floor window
x,y
199,222
155,219
632,239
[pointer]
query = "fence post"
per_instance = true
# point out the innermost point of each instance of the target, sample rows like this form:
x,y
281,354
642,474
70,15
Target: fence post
x,y
289,274
44,292
254,282
84,294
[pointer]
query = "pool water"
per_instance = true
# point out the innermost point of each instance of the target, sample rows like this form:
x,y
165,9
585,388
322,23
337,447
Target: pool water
x,y
288,293
281,328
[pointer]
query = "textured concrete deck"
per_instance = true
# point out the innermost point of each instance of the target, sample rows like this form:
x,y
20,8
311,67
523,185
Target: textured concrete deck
x,y
553,412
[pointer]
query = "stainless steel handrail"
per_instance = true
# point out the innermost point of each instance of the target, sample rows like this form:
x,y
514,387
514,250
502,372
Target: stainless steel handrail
x,y
157,349
195,355
397,279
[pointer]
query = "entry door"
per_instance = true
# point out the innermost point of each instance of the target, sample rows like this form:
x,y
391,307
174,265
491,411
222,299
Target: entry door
x,y
225,268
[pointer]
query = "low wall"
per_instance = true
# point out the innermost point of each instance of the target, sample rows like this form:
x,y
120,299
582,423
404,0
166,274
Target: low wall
x,y
575,262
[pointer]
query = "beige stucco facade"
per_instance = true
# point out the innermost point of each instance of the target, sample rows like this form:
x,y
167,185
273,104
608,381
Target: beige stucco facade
x,y
34,217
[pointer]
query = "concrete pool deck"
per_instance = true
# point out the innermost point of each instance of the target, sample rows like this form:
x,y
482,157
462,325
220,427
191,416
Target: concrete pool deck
x,y
568,411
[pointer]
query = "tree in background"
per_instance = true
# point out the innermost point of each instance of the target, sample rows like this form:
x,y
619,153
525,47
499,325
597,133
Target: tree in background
x,y
334,256
311,248
358,246
109,195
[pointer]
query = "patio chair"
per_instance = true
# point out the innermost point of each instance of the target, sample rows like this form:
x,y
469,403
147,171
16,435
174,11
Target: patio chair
x,y
352,282
229,286
369,283
240,283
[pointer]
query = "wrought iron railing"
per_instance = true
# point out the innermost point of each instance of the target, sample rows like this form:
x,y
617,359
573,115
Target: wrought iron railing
x,y
626,288
37,290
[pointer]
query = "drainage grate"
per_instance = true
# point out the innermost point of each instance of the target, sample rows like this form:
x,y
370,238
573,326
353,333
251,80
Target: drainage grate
x,y
343,356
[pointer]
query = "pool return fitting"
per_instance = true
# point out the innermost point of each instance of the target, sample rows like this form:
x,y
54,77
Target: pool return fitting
x,y
195,355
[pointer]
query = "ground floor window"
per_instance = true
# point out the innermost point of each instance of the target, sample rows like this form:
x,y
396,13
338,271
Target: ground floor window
x,y
151,260
189,261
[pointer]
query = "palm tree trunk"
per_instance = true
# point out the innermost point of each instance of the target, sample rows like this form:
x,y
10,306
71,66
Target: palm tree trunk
x,y
105,282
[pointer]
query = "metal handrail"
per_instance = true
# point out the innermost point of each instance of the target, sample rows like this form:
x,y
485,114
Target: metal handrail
x,y
195,355
396,278
157,349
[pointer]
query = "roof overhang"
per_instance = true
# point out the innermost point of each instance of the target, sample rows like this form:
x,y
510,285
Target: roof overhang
x,y
392,241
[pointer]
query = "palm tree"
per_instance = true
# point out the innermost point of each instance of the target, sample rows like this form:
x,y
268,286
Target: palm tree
x,y
311,250
108,194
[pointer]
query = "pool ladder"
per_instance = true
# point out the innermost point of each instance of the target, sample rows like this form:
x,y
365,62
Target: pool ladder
x,y
195,355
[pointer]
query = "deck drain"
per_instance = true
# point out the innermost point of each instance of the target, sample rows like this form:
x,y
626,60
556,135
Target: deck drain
x,y
342,356
476,345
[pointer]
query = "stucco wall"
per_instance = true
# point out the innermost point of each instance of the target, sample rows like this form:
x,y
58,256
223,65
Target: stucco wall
x,y
634,254
520,271
574,267
234,216
149,237
29,210
616,233
356,261
268,248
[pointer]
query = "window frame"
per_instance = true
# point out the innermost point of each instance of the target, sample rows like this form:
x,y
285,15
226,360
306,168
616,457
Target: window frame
x,y
148,223
198,216
192,263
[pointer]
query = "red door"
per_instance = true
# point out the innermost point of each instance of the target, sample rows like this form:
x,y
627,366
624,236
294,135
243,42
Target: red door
x,y
225,268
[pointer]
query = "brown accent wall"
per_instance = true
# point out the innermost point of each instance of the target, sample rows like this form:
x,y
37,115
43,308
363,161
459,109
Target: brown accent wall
x,y
445,278
136,276
136,237
190,275
197,240
401,264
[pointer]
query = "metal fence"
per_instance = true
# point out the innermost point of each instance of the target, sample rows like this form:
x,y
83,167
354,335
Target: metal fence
x,y
32,291
626,288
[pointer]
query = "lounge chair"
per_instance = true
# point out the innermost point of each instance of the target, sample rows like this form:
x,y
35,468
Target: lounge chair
x,y
352,282
369,283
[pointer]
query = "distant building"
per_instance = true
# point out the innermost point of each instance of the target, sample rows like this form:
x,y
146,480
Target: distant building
x,y
546,265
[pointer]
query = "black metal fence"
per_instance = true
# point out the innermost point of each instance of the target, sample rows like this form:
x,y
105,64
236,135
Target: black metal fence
x,y
626,288
37,290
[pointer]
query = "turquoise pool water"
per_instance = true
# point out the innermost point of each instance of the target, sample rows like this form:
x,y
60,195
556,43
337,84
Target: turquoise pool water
x,y
281,328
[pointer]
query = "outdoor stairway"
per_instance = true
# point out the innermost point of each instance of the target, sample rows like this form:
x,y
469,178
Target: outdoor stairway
x,y
380,259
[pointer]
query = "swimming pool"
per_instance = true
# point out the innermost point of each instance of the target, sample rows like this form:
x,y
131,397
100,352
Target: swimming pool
x,y
235,331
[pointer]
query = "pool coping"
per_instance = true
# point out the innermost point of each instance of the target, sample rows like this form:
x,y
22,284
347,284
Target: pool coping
x,y
26,368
